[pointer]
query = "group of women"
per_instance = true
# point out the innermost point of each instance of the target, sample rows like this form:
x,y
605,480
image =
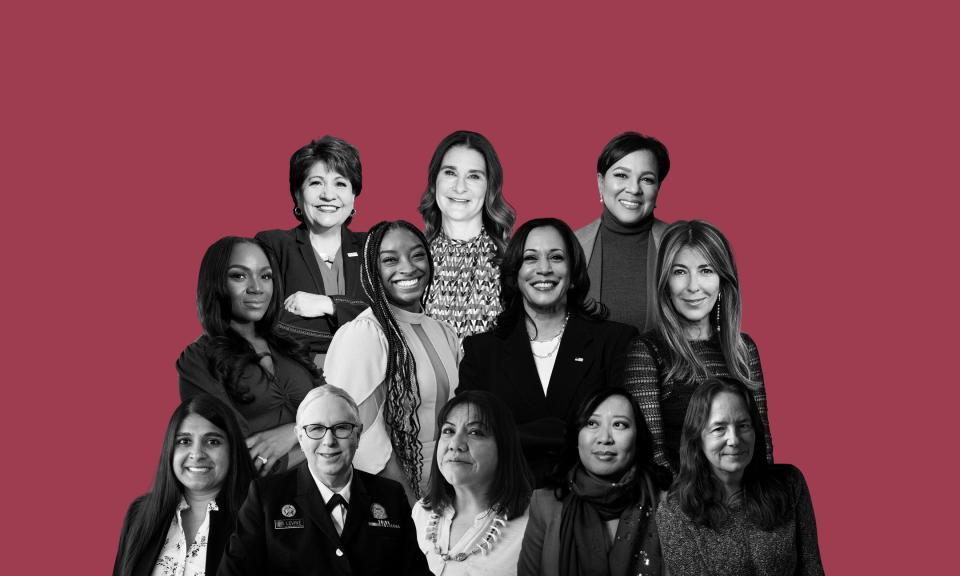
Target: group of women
x,y
554,402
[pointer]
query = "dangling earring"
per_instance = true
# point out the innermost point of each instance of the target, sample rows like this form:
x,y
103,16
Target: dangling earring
x,y
719,294
297,211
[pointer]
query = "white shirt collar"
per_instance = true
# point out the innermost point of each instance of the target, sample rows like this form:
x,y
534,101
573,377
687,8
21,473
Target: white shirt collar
x,y
327,493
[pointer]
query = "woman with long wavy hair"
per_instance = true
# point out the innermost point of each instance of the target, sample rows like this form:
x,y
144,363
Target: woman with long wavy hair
x,y
200,484
241,358
552,345
697,336
730,512
397,363
468,223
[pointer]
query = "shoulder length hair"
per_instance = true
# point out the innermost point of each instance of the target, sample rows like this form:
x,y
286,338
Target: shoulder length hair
x,y
513,482
650,478
498,215
684,364
229,353
699,493
511,298
403,392
156,509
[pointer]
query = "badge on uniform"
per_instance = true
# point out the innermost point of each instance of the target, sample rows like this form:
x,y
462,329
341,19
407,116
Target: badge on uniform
x,y
288,522
380,519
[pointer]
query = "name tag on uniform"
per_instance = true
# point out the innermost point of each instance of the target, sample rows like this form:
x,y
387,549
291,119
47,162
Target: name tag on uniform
x,y
287,524
578,359
351,254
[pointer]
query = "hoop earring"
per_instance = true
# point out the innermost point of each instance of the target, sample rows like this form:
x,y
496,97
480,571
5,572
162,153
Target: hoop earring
x,y
297,211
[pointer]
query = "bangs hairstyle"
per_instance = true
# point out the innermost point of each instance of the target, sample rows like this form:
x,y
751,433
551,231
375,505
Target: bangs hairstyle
x,y
650,478
403,392
511,298
685,365
498,215
699,493
156,508
513,482
336,154
229,352
629,142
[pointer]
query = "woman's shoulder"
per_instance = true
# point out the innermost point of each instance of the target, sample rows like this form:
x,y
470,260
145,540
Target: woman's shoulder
x,y
668,510
543,501
198,350
275,238
364,325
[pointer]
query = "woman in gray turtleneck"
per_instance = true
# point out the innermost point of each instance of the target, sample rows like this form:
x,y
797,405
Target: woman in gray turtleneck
x,y
621,245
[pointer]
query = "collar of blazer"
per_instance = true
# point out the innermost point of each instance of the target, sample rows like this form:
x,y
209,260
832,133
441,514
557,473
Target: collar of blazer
x,y
350,243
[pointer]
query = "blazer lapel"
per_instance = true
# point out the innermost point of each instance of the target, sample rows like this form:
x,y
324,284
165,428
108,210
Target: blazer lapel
x,y
351,264
311,502
221,526
522,371
309,257
357,510
573,358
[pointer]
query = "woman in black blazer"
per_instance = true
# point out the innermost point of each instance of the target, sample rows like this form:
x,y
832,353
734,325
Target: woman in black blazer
x,y
191,510
319,260
551,347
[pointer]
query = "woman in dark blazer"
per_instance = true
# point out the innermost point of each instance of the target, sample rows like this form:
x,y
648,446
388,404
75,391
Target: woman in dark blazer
x,y
191,510
319,260
551,347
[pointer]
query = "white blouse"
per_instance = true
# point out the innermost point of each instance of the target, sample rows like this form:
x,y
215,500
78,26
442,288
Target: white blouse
x,y
175,558
500,560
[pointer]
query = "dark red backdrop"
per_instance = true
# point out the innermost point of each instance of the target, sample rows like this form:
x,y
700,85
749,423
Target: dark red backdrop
x,y
816,137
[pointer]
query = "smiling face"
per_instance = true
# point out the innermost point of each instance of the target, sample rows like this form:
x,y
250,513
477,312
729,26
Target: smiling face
x,y
326,198
461,185
629,188
466,450
201,456
544,275
728,438
606,441
694,286
404,269
249,283
330,458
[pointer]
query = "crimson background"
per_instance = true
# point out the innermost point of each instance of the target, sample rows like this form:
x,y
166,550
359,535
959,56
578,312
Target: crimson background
x,y
815,135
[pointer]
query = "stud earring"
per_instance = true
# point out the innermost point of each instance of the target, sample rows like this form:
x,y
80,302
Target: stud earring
x,y
297,211
353,211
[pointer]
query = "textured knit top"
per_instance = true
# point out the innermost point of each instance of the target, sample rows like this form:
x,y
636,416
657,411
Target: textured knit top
x,y
664,404
740,548
624,269
465,292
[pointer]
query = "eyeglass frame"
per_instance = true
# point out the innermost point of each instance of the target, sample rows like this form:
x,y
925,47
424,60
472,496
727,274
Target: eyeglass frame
x,y
335,427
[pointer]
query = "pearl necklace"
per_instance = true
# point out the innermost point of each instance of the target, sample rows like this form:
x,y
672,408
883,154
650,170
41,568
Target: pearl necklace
x,y
558,338
482,545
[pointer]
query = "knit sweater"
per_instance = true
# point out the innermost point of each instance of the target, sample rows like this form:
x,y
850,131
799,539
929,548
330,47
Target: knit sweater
x,y
664,404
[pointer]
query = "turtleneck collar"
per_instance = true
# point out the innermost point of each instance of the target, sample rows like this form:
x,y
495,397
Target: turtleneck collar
x,y
406,316
610,222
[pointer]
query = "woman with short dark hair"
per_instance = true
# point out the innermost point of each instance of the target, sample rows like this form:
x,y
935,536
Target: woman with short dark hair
x,y
200,484
697,335
241,358
729,511
551,347
319,260
597,514
473,516
621,245
468,224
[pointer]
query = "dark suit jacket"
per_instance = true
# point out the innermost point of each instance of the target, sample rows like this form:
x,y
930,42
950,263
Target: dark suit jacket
x,y
592,355
300,272
379,536
221,526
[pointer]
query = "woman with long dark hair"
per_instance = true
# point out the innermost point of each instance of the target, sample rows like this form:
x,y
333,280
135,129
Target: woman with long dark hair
x,y
397,363
241,358
551,347
468,224
697,336
621,245
190,512
473,516
319,260
729,512
596,516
